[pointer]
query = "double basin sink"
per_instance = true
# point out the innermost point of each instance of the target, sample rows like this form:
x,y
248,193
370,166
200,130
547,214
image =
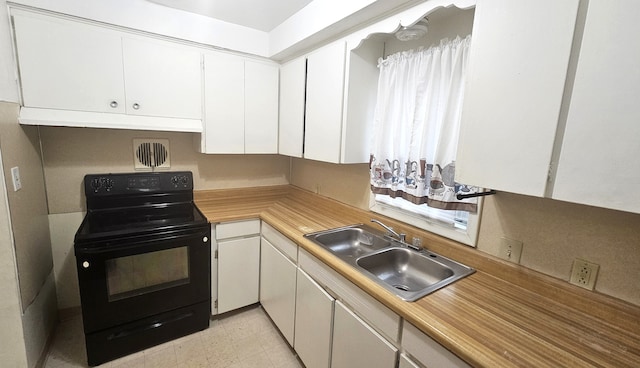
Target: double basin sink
x,y
408,273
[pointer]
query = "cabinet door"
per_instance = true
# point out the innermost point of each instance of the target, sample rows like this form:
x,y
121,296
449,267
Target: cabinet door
x,y
162,79
291,122
224,103
405,362
314,323
68,65
260,107
278,288
325,91
599,163
355,344
427,351
513,93
238,273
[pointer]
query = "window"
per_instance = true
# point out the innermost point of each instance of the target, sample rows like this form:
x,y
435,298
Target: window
x,y
460,226
416,127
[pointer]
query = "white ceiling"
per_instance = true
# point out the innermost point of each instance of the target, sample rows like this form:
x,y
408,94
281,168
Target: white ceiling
x,y
263,15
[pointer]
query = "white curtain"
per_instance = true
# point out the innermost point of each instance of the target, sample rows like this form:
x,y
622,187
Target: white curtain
x,y
417,120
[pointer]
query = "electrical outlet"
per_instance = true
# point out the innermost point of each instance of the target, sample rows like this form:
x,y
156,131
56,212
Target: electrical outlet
x,y
510,249
584,273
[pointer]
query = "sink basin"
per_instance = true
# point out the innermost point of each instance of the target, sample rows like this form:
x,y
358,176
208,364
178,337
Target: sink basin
x,y
405,272
351,242
411,274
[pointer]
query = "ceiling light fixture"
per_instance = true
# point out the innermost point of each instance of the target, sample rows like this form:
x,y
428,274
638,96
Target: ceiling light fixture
x,y
413,32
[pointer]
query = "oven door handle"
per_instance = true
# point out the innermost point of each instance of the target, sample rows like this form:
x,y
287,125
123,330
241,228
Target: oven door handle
x,y
135,247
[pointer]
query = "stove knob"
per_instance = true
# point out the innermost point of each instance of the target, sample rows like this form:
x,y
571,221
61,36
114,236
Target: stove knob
x,y
96,184
185,180
205,239
175,180
108,184
85,264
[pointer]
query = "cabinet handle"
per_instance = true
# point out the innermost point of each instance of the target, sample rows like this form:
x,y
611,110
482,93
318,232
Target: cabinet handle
x,y
114,104
136,106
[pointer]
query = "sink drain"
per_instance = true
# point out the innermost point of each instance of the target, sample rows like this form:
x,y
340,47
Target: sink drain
x,y
401,287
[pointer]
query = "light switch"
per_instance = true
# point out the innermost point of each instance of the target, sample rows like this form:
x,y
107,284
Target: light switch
x,y
15,178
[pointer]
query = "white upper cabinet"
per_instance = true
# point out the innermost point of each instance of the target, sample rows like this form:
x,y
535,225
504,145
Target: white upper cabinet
x,y
325,86
162,79
224,103
68,65
261,107
241,105
327,99
599,162
73,72
291,122
517,71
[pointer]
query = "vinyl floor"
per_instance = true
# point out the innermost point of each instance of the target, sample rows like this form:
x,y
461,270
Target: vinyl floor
x,y
242,339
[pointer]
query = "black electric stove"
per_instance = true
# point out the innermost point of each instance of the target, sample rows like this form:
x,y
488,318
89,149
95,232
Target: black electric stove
x,y
143,257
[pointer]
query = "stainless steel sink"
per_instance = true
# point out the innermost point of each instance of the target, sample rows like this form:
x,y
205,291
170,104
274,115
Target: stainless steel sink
x,y
407,273
351,241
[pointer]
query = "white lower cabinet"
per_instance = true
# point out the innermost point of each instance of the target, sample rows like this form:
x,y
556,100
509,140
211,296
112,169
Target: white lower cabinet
x,y
238,259
332,323
406,362
356,344
313,322
427,351
278,288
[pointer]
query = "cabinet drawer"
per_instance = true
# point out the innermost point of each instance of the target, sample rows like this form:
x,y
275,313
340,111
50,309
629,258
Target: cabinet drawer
x,y
236,229
281,242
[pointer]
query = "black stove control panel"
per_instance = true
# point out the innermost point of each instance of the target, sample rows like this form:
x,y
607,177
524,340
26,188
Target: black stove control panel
x,y
99,185
181,181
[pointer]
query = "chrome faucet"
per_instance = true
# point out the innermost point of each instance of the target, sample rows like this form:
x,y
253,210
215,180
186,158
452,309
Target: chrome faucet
x,y
401,237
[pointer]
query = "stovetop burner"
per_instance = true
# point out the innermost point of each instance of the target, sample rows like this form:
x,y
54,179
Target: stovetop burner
x,y
104,224
119,205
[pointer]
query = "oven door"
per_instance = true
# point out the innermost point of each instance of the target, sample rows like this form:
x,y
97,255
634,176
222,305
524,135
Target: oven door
x,y
132,278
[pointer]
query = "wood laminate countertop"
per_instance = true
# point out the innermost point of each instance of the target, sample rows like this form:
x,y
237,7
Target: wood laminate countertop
x,y
503,315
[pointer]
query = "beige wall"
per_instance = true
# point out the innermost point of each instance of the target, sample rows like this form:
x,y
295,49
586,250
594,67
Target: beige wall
x,y
554,233
12,349
21,148
31,246
71,153
346,183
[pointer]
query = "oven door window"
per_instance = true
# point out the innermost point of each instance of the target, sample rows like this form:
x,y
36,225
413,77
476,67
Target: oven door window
x,y
148,272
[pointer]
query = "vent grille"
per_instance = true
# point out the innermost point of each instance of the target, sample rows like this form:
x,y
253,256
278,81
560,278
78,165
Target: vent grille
x,y
150,154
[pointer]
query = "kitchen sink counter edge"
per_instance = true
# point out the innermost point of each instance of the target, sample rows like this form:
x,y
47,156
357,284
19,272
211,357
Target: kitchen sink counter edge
x,y
503,315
